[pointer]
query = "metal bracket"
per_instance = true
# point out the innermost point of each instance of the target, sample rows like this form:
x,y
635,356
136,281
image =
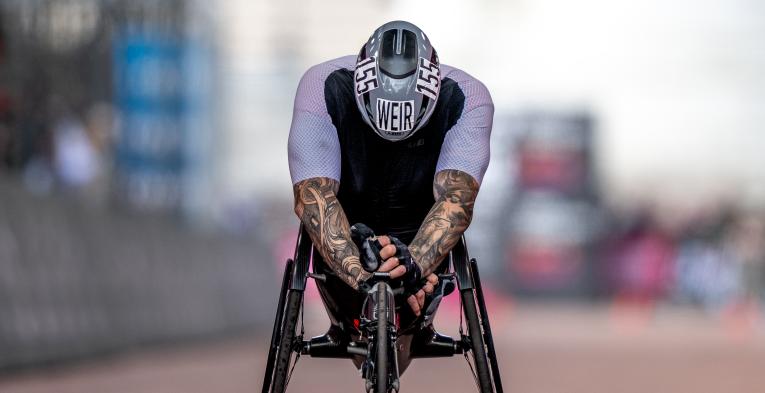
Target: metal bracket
x,y
461,265
303,251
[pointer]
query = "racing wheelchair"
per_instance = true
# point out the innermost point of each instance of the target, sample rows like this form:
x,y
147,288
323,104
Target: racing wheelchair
x,y
373,344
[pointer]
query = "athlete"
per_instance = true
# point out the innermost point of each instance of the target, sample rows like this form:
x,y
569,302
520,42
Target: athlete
x,y
395,140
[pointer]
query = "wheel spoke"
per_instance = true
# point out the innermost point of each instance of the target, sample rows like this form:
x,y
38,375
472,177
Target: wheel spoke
x,y
472,370
289,376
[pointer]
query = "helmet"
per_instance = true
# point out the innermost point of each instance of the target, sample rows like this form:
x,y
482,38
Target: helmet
x,y
397,80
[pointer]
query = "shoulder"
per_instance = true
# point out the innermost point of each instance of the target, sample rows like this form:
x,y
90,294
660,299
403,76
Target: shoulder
x,y
318,73
475,92
466,146
311,89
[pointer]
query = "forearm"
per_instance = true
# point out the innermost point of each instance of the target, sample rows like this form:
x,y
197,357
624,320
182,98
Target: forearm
x,y
317,207
455,193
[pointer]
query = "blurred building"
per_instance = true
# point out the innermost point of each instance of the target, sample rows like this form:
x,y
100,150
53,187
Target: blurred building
x,y
111,98
668,96
164,81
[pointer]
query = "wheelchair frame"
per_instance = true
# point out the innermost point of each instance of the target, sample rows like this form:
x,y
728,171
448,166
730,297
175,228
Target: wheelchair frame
x,y
286,344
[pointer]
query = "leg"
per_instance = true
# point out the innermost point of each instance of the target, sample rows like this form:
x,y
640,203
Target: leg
x,y
343,303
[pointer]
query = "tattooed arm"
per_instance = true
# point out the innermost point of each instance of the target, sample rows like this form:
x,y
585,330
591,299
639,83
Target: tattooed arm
x,y
455,192
318,208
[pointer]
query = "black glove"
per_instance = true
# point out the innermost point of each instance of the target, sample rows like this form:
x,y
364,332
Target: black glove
x,y
370,249
412,279
362,236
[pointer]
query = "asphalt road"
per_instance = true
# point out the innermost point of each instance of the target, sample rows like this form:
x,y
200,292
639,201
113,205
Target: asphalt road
x,y
542,348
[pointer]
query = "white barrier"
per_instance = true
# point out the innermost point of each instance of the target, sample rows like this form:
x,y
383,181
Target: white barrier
x,y
76,281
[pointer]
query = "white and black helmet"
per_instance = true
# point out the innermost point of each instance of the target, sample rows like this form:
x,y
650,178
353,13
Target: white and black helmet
x,y
397,80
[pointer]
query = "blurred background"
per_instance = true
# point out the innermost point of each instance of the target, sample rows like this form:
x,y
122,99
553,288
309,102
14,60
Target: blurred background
x,y
146,206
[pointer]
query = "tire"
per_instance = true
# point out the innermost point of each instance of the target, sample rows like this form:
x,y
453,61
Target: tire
x,y
477,345
276,332
381,364
285,351
487,335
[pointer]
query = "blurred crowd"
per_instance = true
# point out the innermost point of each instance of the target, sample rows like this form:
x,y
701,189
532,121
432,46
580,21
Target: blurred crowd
x,y
712,257
564,236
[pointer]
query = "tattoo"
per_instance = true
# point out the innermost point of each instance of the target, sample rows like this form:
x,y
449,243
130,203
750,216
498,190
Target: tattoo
x,y
455,193
318,208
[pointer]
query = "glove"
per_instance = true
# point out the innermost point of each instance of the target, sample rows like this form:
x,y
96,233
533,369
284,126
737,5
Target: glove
x,y
370,249
412,279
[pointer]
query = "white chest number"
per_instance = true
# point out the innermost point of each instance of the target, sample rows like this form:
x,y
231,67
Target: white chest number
x,y
366,76
428,79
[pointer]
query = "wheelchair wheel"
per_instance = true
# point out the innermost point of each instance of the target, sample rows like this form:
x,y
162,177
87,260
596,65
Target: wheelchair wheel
x,y
282,350
477,358
480,355
276,332
488,337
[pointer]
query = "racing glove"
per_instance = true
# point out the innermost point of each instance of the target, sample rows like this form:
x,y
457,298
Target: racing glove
x,y
412,279
363,237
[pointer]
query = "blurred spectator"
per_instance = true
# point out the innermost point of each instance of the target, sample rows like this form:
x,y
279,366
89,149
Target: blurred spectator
x,y
745,242
638,261
75,156
36,156
706,273
6,141
716,259
746,238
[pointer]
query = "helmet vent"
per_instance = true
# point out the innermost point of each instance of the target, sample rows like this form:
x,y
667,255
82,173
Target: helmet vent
x,y
398,53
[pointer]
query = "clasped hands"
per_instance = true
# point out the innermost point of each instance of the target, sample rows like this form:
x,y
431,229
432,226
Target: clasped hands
x,y
392,264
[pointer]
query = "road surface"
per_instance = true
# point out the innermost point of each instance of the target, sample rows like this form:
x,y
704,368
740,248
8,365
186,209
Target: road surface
x,y
543,348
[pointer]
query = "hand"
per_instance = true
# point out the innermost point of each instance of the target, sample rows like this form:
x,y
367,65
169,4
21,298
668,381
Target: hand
x,y
390,261
392,264
417,301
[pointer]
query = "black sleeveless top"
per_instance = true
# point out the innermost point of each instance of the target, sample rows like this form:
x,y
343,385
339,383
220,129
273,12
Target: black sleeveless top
x,y
388,185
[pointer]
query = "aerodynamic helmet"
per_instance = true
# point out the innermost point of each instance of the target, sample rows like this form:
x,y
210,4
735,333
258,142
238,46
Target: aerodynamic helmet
x,y
397,80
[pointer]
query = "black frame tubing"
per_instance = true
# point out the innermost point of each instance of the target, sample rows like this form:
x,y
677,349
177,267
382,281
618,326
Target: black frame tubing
x,y
381,363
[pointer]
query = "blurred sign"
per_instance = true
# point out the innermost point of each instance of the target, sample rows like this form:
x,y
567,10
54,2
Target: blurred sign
x,y
554,209
554,154
149,95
